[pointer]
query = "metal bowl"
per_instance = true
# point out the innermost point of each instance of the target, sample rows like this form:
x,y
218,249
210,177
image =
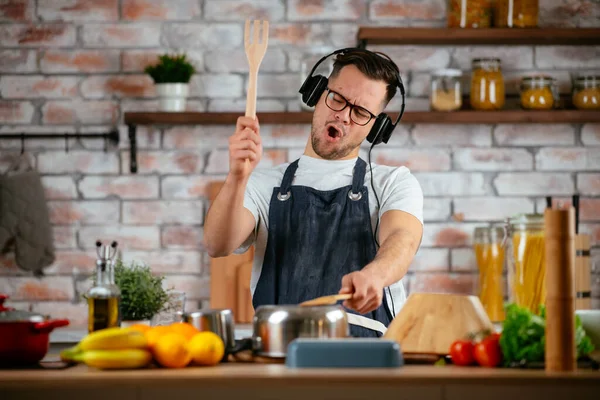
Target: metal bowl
x,y
219,321
275,326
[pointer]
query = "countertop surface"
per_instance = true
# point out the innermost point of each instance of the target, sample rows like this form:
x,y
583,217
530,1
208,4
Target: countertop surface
x,y
239,372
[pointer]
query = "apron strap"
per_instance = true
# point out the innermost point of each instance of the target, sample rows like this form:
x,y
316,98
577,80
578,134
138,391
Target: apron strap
x,y
288,177
365,322
358,175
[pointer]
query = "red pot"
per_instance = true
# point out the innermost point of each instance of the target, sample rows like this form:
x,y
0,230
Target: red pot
x,y
24,335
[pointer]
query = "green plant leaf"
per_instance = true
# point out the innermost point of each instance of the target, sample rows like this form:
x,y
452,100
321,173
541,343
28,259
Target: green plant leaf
x,y
171,69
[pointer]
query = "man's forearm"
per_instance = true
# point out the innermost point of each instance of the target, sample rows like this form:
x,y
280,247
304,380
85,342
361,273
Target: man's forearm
x,y
226,225
394,257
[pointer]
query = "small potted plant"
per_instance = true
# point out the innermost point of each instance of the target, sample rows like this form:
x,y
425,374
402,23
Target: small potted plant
x,y
142,293
171,76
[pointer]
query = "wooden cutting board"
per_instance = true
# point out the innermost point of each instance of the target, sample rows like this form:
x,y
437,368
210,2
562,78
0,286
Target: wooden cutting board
x,y
428,323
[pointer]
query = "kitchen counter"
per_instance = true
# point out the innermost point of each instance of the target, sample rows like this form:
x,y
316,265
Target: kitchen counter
x,y
276,381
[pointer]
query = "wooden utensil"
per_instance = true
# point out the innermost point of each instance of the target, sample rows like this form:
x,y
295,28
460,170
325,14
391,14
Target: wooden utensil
x,y
256,47
428,323
324,300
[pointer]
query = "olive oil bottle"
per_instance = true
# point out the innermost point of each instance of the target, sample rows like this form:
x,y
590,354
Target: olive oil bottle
x,y
104,297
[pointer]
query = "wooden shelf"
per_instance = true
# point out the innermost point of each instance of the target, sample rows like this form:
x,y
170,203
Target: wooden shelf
x,y
484,36
414,117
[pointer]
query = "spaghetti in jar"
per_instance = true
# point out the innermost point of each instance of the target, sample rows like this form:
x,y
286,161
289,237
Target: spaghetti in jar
x,y
469,13
489,255
526,263
516,13
487,84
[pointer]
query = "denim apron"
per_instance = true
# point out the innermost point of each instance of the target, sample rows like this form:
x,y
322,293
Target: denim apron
x,y
315,238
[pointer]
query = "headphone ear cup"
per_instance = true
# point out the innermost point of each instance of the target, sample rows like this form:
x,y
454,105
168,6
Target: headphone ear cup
x,y
312,89
381,130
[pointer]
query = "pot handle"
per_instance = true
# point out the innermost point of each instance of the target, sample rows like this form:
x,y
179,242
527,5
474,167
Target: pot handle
x,y
48,326
241,345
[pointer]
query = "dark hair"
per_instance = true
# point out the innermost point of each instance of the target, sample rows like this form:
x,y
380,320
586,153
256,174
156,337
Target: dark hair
x,y
375,65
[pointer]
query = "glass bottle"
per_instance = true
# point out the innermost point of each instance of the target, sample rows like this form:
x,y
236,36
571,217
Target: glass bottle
x,y
489,254
469,13
526,264
516,13
487,84
104,297
446,93
538,92
586,93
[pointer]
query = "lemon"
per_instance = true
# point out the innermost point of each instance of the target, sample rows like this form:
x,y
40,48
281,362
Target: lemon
x,y
206,348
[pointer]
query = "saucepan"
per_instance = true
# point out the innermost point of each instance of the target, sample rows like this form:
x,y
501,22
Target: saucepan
x,y
275,326
24,335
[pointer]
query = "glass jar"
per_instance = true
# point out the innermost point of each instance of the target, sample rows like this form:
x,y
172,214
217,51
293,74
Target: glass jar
x,y
489,255
516,13
526,264
469,13
586,93
487,84
538,92
446,94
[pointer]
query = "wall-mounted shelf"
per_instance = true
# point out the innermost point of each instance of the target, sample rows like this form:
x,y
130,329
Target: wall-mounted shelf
x,y
484,36
132,119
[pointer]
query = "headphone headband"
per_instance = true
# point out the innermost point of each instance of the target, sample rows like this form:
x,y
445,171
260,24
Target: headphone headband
x,y
317,88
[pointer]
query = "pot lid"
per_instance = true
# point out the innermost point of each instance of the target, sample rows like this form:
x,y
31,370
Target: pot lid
x,y
9,314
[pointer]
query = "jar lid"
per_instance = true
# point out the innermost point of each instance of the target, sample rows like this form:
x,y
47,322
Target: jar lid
x,y
527,220
486,59
584,78
538,78
489,233
448,72
9,314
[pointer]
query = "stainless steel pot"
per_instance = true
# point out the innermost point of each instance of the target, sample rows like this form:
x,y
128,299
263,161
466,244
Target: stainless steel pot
x,y
274,327
219,321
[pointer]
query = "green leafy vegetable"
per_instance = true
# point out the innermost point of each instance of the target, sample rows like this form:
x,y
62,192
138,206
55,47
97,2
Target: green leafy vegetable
x,y
524,335
171,69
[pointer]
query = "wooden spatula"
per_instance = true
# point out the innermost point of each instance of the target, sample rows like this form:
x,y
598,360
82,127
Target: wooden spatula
x,y
324,300
256,47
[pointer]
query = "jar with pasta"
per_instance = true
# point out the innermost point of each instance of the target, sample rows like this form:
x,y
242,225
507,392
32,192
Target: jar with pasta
x,y
487,84
446,93
516,13
586,93
469,13
538,92
489,255
526,264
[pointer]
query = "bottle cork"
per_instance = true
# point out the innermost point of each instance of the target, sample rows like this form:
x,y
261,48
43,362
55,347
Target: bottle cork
x,y
559,226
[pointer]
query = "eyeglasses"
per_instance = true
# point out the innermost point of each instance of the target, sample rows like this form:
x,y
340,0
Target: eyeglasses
x,y
358,114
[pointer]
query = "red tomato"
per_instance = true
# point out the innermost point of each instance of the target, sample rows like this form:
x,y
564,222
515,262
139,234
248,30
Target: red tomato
x,y
488,352
461,352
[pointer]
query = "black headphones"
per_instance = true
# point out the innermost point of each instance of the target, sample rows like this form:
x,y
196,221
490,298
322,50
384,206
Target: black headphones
x,y
314,86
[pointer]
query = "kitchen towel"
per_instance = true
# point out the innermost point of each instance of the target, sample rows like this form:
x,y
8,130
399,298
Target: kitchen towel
x,y
24,220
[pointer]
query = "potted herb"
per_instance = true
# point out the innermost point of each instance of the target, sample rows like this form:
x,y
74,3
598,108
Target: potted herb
x,y
142,293
171,76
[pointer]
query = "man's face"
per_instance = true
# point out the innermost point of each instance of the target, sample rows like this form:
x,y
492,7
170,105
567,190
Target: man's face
x,y
334,134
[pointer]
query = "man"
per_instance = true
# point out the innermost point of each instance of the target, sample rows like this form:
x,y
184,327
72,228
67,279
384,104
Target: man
x,y
313,220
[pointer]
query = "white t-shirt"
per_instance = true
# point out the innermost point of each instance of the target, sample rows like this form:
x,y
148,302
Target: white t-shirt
x,y
396,188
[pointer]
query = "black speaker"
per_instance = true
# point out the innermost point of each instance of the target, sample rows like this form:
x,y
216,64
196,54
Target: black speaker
x,y
314,86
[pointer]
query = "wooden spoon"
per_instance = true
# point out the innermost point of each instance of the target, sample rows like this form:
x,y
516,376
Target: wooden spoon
x,y
324,300
255,51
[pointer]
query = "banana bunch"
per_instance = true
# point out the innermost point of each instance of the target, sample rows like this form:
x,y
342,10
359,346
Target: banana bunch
x,y
111,348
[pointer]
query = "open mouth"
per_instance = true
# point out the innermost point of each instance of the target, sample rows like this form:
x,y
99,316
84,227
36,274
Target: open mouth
x,y
334,133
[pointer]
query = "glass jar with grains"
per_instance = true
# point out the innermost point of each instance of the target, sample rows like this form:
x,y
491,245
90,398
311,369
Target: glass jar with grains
x,y
516,13
469,13
445,90
538,92
586,93
487,84
526,260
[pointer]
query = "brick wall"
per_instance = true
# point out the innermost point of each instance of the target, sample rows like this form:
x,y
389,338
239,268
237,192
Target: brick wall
x,y
77,66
